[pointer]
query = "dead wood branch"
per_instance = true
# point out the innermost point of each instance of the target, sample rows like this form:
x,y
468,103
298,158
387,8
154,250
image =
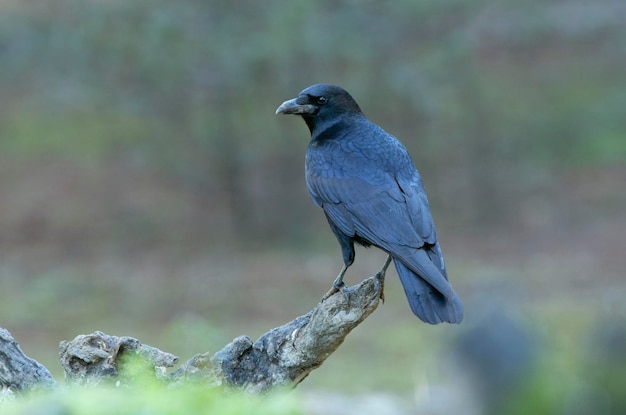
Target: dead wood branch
x,y
19,372
282,357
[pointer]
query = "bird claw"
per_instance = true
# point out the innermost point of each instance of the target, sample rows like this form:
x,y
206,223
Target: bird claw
x,y
380,279
380,285
338,286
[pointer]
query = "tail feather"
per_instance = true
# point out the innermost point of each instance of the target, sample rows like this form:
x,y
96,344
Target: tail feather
x,y
426,302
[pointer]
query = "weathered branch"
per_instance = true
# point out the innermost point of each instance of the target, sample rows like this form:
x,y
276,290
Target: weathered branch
x,y
96,357
19,372
285,355
282,357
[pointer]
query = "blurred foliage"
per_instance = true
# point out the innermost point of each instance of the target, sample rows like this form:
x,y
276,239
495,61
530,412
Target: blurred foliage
x,y
140,153
151,399
488,96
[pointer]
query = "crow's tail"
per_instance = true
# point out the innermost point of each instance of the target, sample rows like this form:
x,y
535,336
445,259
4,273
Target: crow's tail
x,y
432,305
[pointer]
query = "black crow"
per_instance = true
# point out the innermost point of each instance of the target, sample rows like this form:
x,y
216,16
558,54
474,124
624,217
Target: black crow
x,y
365,181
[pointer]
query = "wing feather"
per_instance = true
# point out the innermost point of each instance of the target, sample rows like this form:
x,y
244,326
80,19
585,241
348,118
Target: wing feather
x,y
383,215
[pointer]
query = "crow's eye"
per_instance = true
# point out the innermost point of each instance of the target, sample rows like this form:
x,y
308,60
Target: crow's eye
x,y
322,100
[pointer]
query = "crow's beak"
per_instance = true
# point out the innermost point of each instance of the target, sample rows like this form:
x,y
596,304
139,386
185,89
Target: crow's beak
x,y
292,107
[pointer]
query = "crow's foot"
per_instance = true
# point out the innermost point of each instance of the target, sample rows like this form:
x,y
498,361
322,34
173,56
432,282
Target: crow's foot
x,y
380,279
338,286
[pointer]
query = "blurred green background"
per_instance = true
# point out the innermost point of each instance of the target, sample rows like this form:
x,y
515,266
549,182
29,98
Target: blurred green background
x,y
148,189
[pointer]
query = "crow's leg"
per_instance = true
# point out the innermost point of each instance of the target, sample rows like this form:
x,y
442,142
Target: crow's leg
x,y
380,278
338,285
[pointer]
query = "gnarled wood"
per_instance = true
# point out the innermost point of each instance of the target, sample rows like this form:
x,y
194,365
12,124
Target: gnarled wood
x,y
19,372
96,357
282,357
285,355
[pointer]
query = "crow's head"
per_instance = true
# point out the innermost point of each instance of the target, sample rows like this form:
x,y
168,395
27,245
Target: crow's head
x,y
319,104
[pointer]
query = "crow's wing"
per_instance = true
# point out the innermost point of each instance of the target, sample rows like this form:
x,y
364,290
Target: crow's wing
x,y
382,207
392,214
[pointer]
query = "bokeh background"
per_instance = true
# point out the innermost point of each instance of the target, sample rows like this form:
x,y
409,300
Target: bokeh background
x,y
148,189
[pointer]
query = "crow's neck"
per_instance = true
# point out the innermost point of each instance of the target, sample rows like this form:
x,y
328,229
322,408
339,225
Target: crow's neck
x,y
323,130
